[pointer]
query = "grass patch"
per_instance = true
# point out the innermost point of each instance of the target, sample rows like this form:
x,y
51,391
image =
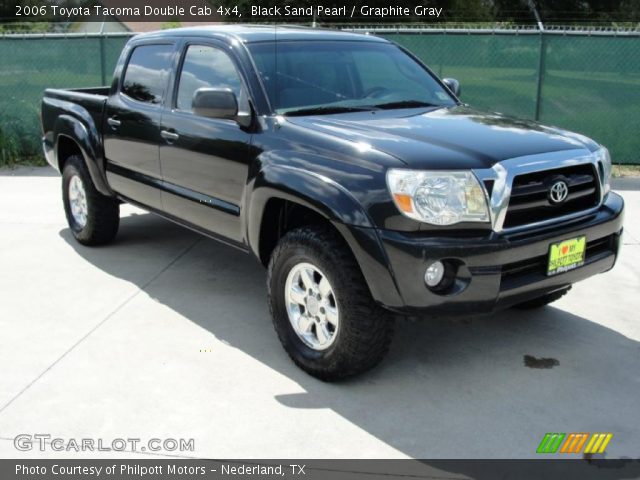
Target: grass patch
x,y
30,161
626,171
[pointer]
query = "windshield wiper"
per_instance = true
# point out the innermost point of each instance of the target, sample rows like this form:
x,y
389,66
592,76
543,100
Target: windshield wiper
x,y
406,104
327,110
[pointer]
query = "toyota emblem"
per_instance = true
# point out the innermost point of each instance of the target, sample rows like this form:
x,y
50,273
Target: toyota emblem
x,y
558,192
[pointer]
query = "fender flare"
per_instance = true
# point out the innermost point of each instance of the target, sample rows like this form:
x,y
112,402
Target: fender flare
x,y
335,203
309,189
88,142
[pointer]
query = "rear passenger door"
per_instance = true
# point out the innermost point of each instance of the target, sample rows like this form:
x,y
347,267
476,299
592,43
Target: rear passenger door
x,y
131,131
204,160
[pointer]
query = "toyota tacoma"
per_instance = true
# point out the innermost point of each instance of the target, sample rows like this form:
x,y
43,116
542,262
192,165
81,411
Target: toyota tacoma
x,y
347,168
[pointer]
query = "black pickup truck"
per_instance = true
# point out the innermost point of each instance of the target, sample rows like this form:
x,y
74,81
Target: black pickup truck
x,y
347,168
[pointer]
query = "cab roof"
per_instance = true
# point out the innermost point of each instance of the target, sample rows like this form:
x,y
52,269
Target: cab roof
x,y
261,33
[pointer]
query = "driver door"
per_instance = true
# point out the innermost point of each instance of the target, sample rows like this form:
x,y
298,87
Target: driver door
x,y
204,161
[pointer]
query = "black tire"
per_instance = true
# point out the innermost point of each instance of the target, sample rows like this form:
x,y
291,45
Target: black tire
x,y
365,329
542,301
103,213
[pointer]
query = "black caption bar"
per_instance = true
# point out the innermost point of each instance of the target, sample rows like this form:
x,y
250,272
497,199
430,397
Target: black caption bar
x,y
320,469
218,11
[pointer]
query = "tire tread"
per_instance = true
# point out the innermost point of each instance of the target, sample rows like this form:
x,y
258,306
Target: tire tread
x,y
363,343
103,217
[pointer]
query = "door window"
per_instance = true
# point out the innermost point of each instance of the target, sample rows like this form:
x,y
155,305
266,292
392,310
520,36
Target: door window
x,y
146,74
207,67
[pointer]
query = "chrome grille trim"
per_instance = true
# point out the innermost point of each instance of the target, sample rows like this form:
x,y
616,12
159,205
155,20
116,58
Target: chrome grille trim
x,y
503,173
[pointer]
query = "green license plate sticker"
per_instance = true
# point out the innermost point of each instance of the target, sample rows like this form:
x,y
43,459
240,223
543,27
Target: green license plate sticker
x,y
566,255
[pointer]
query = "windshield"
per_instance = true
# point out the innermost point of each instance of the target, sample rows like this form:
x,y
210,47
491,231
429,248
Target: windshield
x,y
316,77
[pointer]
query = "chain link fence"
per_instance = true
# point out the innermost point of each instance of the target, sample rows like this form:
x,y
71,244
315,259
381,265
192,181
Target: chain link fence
x,y
28,65
588,82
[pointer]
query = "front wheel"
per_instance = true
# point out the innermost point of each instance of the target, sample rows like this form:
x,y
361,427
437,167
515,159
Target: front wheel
x,y
322,310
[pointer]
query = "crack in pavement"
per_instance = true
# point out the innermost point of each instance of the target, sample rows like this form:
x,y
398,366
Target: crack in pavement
x,y
102,322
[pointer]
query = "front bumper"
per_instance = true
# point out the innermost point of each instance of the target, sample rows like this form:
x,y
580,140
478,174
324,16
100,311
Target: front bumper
x,y
499,270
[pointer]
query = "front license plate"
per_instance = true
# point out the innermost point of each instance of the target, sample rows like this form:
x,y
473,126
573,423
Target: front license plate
x,y
566,255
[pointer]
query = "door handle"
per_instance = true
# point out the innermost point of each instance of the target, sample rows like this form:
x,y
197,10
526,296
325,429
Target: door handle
x,y
114,122
169,136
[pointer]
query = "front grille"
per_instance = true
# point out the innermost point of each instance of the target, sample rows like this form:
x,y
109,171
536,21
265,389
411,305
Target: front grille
x,y
529,201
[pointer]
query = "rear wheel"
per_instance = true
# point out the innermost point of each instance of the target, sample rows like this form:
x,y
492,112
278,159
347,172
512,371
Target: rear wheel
x,y
542,301
322,310
92,217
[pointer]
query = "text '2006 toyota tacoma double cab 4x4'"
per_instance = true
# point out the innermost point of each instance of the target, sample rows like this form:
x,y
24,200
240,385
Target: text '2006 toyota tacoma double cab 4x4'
x,y
347,168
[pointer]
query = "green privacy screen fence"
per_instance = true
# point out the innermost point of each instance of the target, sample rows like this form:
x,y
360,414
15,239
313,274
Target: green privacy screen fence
x,y
28,65
586,83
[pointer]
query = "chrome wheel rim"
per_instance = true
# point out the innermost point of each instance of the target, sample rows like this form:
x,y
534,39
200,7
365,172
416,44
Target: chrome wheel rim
x,y
78,201
312,306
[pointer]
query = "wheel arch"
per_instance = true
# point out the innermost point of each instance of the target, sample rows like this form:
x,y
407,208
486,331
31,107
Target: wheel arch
x,y
284,198
277,187
72,137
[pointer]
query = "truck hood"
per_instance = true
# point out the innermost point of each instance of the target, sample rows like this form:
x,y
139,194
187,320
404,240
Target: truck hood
x,y
456,137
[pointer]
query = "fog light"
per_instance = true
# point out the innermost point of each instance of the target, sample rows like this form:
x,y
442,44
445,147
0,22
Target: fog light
x,y
434,274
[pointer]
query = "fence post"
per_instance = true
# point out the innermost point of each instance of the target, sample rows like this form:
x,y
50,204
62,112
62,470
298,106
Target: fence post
x,y
103,63
440,53
541,67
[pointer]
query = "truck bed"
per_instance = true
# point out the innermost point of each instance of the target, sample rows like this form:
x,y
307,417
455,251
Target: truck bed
x,y
91,99
95,91
84,104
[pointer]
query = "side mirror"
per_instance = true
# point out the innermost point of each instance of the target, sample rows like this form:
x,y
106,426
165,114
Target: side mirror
x,y
215,103
453,85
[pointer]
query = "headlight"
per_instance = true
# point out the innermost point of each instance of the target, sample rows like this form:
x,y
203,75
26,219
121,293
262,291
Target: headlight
x,y
604,160
439,198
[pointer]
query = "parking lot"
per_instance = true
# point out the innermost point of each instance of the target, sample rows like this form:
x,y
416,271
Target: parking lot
x,y
167,334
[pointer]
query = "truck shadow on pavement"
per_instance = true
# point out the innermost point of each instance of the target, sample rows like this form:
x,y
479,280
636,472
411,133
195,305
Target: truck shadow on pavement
x,y
448,388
